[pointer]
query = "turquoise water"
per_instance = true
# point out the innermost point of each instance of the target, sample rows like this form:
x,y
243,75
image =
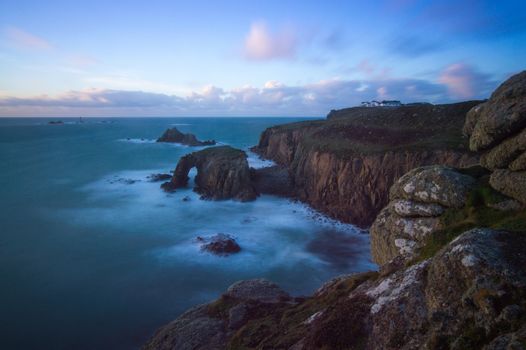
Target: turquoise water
x,y
92,260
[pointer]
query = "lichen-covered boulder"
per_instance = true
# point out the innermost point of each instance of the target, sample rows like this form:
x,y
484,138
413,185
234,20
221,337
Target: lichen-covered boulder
x,y
393,235
511,183
503,115
507,152
418,199
433,184
406,208
471,119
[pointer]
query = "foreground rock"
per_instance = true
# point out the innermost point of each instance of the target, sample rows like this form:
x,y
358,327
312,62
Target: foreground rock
x,y
503,115
471,295
418,199
222,173
220,244
498,128
209,327
175,136
345,165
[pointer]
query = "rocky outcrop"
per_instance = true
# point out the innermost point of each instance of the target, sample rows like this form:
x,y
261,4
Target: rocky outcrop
x,y
175,136
220,244
418,199
344,166
504,114
470,295
511,183
209,327
222,173
498,128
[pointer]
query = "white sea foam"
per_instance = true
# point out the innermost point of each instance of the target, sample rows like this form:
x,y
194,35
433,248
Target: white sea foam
x,y
273,232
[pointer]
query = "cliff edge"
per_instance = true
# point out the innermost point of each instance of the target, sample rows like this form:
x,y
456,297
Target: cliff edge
x,y
345,165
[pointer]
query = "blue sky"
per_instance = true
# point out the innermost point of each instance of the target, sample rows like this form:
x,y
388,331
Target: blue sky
x,y
230,58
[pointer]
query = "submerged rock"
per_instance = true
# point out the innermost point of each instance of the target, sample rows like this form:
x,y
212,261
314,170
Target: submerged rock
x,y
222,173
175,136
219,244
159,177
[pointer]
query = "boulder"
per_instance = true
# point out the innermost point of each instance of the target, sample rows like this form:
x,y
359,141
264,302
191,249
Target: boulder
x,y
502,116
260,289
194,330
418,199
393,235
175,136
507,152
211,326
220,244
511,183
471,119
433,184
222,173
407,208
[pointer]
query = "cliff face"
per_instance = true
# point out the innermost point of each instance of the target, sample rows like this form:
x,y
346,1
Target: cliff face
x,y
345,165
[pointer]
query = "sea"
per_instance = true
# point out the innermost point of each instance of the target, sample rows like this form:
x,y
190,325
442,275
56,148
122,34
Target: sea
x,y
95,256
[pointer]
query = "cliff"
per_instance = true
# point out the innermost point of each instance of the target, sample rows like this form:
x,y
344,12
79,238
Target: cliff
x,y
345,165
452,248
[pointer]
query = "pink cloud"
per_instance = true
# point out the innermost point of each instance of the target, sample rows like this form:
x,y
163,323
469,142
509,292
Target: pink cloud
x,y
262,44
27,40
459,79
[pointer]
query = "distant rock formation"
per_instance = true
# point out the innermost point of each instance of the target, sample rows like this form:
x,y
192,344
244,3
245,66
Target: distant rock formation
x,y
55,122
175,136
222,173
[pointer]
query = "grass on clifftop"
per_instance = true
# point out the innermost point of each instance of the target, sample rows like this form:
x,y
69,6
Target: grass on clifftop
x,y
478,212
362,130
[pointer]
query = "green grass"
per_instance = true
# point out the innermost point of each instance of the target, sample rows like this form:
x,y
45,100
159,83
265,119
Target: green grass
x,y
476,213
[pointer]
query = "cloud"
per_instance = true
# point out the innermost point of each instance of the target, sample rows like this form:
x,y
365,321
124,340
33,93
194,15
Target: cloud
x,y
464,81
272,99
26,40
262,45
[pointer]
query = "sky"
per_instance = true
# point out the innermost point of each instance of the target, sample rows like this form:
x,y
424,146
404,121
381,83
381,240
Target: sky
x,y
251,58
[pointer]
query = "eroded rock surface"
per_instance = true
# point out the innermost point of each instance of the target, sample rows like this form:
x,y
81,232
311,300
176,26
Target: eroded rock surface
x,y
470,295
418,199
503,115
211,326
222,173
